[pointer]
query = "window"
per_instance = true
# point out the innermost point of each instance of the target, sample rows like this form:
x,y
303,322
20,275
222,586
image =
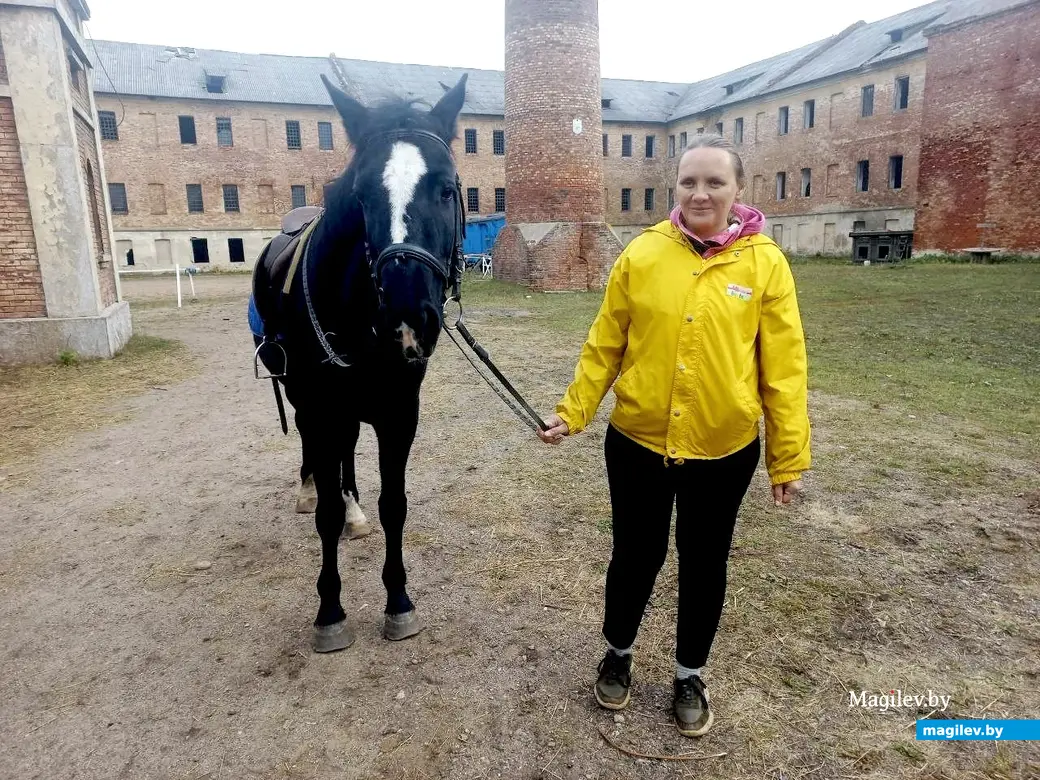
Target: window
x,y
130,255
671,146
863,175
236,251
782,120
895,172
650,143
781,186
195,199
700,131
215,83
671,198
473,199
867,105
75,73
231,197
626,199
738,130
648,199
809,114
902,93
605,102
719,128
498,142
606,144
117,197
806,182
199,250
895,36
293,139
298,193
500,199
108,126
682,140
325,136
224,137
626,146
858,225
471,140
187,126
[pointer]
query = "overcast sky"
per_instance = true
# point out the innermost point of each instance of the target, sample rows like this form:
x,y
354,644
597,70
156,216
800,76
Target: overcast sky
x,y
639,39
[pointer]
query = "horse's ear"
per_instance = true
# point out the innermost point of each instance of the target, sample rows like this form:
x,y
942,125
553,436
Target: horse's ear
x,y
448,107
355,115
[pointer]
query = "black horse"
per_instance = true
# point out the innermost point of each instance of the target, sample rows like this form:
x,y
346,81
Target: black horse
x,y
358,319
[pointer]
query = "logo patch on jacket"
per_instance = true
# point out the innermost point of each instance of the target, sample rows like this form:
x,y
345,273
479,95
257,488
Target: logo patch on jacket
x,y
736,291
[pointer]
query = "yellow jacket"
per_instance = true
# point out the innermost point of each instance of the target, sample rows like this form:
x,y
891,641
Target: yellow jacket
x,y
699,349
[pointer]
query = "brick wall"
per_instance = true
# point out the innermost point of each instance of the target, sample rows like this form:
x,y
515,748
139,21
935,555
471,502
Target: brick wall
x,y
637,173
980,152
21,286
101,241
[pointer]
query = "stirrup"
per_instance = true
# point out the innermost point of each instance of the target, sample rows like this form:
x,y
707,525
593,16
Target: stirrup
x,y
256,360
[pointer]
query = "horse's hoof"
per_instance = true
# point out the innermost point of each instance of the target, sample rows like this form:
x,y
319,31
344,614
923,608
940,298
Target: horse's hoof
x,y
398,627
333,637
307,498
357,524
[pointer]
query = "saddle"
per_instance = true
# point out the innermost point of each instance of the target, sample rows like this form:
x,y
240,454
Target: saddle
x,y
276,267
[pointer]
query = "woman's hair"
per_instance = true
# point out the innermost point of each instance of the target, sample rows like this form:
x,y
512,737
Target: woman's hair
x,y
712,141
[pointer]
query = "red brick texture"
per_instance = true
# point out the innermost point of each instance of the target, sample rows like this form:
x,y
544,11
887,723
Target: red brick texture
x,y
553,174
21,286
980,150
100,241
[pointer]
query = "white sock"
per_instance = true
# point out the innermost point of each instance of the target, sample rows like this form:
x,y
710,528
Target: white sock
x,y
626,651
685,672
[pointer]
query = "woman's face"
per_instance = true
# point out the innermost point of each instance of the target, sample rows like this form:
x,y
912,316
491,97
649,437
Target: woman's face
x,y
706,188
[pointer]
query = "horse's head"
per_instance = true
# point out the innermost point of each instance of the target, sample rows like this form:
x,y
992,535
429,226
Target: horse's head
x,y
404,178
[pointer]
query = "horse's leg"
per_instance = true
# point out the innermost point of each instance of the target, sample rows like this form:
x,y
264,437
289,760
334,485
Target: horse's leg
x,y
395,443
331,631
357,523
307,498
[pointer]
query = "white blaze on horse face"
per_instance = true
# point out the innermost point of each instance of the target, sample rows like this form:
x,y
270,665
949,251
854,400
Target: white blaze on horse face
x,y
401,176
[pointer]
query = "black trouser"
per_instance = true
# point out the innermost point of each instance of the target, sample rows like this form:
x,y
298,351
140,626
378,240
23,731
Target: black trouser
x,y
643,490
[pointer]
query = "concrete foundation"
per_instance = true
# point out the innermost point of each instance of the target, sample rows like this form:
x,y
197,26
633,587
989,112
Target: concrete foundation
x,y
43,339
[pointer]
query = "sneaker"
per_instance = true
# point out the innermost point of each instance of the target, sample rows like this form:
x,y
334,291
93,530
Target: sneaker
x,y
615,678
693,716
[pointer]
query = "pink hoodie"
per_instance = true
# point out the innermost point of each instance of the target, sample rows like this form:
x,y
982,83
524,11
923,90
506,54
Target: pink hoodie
x,y
748,221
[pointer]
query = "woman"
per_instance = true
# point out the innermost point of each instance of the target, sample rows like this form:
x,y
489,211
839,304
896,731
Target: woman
x,y
700,328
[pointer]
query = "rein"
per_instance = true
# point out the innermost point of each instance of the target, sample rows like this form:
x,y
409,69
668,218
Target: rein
x,y
450,273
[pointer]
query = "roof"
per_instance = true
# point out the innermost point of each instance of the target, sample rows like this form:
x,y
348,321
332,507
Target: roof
x,y
172,72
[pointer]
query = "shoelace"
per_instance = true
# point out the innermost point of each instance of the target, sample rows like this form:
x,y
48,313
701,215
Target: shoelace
x,y
616,669
687,690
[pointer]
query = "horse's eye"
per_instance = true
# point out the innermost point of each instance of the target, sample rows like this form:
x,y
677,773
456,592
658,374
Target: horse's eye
x,y
447,193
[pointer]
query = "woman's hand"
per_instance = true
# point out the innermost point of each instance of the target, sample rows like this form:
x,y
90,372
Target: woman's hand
x,y
555,430
787,492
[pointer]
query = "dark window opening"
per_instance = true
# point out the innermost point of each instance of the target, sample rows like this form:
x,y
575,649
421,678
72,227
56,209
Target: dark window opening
x,y
895,36
626,199
194,198
117,197
809,114
863,252
867,107
606,144
224,136
236,250
199,250
671,146
648,200
719,128
500,199
498,142
895,172
298,193
215,83
682,140
863,175
325,136
782,120
650,143
473,199
859,224
738,130
231,197
471,140
108,125
130,256
902,98
293,139
187,126
626,146
671,198
883,251
806,182
605,102
76,74
781,186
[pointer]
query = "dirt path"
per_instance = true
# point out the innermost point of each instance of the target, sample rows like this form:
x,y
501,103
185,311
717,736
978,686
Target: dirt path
x,y
120,659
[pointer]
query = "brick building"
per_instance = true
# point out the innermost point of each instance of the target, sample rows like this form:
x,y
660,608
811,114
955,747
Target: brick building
x,y
58,285
205,148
